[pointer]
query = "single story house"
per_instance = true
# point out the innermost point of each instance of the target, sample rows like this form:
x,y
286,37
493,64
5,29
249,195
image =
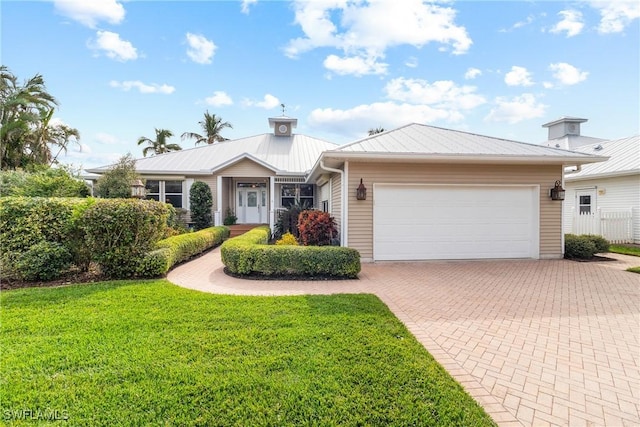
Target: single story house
x,y
430,193
601,198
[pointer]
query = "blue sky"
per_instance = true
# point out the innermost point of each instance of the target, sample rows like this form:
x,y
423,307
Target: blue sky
x,y
120,69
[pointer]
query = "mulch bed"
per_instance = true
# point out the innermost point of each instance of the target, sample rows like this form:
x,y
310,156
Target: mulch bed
x,y
72,278
596,258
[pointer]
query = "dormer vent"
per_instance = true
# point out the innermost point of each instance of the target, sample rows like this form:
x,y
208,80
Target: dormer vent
x,y
564,126
283,125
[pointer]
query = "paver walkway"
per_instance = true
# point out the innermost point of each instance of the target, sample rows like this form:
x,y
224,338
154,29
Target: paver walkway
x,y
536,343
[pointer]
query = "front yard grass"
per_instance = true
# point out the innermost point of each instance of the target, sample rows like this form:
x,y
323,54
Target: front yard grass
x,y
627,250
151,353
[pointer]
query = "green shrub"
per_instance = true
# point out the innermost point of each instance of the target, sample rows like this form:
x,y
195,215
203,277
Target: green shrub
x,y
287,221
29,221
120,232
287,239
201,203
185,246
43,182
578,247
230,217
250,255
601,244
316,228
44,261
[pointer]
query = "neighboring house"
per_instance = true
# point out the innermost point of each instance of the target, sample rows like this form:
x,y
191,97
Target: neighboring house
x,y
601,198
431,193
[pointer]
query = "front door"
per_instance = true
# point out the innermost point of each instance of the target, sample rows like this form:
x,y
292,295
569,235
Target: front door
x,y
586,201
251,201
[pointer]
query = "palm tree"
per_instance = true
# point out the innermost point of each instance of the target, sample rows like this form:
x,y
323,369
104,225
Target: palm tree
x,y
47,136
377,130
21,110
160,145
211,127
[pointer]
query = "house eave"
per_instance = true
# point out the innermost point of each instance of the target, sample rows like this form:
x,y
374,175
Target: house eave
x,y
569,178
464,158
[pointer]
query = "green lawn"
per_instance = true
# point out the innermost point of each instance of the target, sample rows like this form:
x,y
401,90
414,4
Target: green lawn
x,y
625,250
151,353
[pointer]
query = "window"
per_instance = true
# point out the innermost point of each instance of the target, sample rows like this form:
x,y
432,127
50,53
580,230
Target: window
x,y
584,204
168,191
325,206
153,190
173,193
292,192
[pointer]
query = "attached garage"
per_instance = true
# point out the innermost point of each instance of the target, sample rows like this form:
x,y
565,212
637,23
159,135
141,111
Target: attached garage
x,y
422,222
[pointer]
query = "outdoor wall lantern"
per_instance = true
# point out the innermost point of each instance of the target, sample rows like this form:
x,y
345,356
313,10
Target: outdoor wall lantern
x,y
361,191
557,192
137,189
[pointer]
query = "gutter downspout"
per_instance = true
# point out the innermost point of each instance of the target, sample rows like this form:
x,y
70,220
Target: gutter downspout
x,y
343,195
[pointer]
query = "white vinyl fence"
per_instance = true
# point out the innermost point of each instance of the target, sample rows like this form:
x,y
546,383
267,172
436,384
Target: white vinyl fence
x,y
615,226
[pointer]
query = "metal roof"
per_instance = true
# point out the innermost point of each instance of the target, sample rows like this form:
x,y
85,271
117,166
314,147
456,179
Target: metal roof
x,y
429,140
294,154
624,159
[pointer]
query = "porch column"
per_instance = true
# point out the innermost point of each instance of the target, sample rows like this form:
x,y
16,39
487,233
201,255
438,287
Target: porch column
x,y
272,202
217,216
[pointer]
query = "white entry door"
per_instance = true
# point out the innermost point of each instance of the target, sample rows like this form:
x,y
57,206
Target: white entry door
x,y
251,205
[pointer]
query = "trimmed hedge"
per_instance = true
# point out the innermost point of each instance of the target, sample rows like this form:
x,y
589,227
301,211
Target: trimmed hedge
x,y
176,249
120,232
49,224
249,254
584,246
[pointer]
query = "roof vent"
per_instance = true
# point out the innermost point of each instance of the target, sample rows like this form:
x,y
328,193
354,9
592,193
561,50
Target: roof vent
x,y
598,147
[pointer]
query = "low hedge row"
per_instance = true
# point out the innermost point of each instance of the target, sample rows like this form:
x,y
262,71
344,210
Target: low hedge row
x,y
249,254
175,249
584,246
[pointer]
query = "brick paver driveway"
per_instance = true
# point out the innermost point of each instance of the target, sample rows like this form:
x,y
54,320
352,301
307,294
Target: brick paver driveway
x,y
535,342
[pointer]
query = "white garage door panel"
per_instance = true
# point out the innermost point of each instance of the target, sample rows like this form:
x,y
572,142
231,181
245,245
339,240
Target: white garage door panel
x,y
454,222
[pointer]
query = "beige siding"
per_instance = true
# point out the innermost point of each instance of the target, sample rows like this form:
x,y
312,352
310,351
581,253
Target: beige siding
x,y
336,202
246,168
360,221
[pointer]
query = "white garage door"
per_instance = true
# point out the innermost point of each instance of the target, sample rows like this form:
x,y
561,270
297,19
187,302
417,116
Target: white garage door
x,y
419,222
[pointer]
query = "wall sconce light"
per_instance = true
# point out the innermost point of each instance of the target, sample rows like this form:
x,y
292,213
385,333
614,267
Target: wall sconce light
x,y
557,192
137,189
361,191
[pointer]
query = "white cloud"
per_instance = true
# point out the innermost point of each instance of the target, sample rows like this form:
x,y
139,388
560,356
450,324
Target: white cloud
x,y
519,24
89,13
355,65
113,46
107,139
472,73
142,87
367,29
246,4
517,109
518,76
355,122
200,49
218,99
616,15
567,74
571,23
445,94
269,101
411,62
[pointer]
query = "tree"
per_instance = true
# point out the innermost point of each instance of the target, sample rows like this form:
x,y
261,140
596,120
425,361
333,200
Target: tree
x,y
211,126
48,135
22,107
116,182
377,130
201,202
160,144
